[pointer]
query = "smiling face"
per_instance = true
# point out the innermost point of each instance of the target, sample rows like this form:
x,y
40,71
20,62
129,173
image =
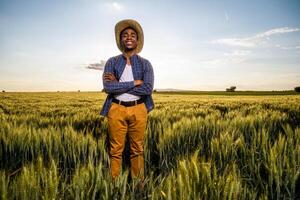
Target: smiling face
x,y
129,39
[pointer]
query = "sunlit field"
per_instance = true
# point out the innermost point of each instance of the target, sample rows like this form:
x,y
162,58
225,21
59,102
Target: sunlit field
x,y
197,146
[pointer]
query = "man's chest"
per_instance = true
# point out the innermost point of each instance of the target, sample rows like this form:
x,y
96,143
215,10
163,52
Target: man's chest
x,y
125,73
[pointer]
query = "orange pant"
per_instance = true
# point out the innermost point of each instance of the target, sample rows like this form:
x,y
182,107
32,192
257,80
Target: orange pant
x,y
132,121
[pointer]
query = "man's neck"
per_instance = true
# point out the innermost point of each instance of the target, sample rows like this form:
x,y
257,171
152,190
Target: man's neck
x,y
128,55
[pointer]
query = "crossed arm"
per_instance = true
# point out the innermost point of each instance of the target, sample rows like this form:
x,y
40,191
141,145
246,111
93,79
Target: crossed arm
x,y
136,87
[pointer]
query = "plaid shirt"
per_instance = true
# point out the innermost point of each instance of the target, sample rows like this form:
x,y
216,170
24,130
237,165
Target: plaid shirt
x,y
141,69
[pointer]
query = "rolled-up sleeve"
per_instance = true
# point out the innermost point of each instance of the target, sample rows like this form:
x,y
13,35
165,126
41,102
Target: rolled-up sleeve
x,y
115,87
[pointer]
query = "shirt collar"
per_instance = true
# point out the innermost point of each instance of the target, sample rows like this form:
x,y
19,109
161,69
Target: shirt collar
x,y
134,56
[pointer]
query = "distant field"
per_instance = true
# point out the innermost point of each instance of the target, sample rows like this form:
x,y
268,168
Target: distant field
x,y
199,145
251,93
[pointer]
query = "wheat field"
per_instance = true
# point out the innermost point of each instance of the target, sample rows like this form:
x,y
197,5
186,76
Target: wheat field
x,y
54,146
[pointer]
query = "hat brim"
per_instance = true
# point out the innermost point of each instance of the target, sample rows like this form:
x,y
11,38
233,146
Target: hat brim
x,y
120,26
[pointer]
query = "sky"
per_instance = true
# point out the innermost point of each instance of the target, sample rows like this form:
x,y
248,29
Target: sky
x,y
60,45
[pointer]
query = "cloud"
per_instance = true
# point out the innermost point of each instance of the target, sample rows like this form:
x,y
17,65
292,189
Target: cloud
x,y
238,53
288,47
255,40
234,57
244,42
226,15
97,66
223,61
114,6
117,6
277,31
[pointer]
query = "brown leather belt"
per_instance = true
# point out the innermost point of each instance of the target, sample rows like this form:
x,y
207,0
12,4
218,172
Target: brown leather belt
x,y
128,103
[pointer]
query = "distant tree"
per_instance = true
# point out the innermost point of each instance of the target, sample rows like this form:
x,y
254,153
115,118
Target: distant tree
x,y
231,89
78,90
3,90
154,90
297,89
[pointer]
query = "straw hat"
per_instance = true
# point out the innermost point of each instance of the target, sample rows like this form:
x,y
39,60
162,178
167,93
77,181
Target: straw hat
x,y
121,25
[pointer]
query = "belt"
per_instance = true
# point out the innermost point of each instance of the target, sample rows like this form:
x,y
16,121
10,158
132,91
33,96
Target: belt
x,y
128,103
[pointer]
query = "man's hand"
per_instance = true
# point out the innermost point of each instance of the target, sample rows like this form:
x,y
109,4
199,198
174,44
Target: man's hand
x,y
109,77
138,82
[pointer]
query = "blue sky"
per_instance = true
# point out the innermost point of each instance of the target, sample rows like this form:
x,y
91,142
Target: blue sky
x,y
197,45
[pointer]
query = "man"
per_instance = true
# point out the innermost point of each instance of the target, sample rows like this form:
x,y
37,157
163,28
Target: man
x,y
128,80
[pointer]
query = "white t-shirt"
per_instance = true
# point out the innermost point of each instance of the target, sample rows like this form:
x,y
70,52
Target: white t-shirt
x,y
127,76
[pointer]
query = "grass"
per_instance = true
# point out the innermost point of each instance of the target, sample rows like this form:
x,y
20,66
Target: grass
x,y
198,146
